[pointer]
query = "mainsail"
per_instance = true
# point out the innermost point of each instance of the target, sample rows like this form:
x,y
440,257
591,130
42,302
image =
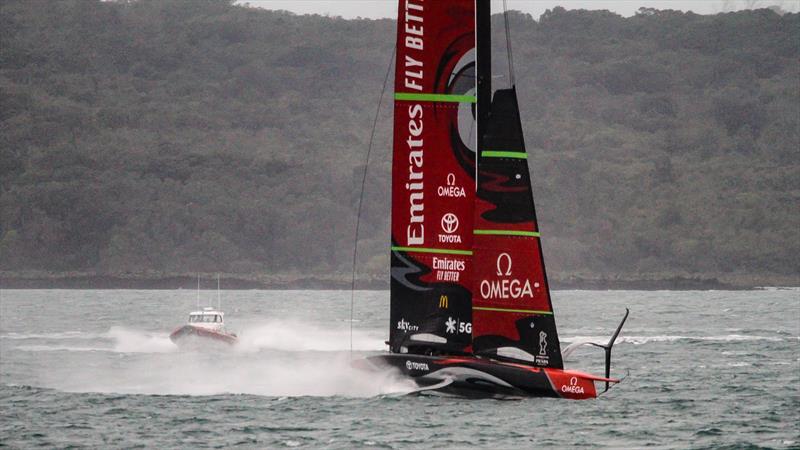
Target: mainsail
x,y
433,184
467,270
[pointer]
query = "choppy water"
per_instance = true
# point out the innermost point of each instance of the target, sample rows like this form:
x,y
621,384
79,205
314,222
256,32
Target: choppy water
x,y
96,368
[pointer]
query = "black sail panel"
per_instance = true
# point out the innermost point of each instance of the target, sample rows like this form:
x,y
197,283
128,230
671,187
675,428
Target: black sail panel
x,y
512,311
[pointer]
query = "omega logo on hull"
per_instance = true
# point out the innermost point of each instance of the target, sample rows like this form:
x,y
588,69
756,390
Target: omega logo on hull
x,y
573,387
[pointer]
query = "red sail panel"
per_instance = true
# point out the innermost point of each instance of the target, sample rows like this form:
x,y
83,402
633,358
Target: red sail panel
x,y
512,311
433,176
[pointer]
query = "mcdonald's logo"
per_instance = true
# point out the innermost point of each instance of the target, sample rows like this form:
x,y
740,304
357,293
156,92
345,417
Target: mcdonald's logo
x,y
443,302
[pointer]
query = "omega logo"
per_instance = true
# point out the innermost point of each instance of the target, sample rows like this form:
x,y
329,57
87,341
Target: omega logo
x,y
499,266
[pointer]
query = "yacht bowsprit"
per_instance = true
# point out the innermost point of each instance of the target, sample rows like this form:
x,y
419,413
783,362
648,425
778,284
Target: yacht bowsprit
x,y
471,311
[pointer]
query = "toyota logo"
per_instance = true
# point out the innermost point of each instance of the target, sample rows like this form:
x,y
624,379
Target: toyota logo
x,y
449,223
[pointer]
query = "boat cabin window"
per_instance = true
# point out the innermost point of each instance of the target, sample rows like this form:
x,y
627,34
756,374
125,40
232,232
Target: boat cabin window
x,y
205,318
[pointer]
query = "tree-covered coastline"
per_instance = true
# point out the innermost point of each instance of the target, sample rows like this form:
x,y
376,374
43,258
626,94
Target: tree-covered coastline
x,y
148,140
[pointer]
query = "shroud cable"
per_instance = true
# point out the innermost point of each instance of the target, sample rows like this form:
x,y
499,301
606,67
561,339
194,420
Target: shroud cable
x,y
361,195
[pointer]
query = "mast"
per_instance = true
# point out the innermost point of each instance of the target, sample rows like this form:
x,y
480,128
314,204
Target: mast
x,y
483,44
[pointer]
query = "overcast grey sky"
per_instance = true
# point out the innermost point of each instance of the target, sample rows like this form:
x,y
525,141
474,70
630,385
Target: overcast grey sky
x,y
388,8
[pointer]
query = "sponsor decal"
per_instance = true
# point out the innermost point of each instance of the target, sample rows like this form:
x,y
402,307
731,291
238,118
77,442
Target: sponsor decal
x,y
457,326
451,190
500,260
415,231
448,269
412,80
449,225
542,343
506,287
406,326
573,387
414,34
444,302
542,358
413,365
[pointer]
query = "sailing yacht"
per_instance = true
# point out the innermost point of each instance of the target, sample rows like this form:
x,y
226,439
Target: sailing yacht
x,y
471,310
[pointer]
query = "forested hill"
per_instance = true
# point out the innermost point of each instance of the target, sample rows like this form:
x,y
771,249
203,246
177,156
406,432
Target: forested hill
x,y
151,139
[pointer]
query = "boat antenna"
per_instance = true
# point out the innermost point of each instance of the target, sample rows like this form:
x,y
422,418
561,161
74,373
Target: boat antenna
x,y
198,291
361,193
219,301
508,44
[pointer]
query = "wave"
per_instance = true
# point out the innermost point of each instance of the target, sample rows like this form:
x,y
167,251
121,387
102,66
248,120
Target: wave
x,y
52,336
59,348
639,340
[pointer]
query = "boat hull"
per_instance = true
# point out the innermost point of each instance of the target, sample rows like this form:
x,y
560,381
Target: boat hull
x,y
188,335
471,376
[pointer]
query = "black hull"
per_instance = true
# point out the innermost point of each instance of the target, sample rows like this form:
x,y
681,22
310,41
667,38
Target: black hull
x,y
474,377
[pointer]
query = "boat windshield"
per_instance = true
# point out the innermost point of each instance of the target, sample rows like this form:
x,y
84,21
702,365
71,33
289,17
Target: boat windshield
x,y
205,318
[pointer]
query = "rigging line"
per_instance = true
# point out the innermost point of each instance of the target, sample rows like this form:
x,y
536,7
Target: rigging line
x,y
508,44
361,194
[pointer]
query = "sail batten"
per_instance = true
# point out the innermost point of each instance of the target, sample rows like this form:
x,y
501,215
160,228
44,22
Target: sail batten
x,y
432,250
503,154
508,310
507,233
451,98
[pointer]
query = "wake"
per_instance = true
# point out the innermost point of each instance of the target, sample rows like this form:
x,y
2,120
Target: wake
x,y
297,336
283,358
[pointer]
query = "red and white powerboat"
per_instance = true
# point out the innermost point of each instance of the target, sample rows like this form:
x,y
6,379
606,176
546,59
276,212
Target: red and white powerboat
x,y
204,327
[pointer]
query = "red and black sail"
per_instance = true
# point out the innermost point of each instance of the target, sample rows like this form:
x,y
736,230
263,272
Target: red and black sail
x,y
433,182
512,311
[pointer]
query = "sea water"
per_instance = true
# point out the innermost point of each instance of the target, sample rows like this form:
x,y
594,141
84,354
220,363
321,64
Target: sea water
x,y
96,368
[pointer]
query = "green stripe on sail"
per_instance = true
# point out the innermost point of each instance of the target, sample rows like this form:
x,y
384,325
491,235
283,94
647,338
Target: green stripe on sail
x,y
497,154
435,97
432,250
507,233
530,311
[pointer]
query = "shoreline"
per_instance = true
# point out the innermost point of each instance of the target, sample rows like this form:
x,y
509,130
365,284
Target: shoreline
x,y
295,282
